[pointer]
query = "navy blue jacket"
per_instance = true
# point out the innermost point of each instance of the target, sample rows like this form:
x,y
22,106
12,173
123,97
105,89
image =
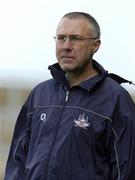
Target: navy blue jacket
x,y
86,132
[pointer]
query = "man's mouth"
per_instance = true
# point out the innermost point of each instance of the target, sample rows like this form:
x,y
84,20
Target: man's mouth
x,y
66,57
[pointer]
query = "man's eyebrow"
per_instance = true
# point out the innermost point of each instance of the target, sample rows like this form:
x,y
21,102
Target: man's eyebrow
x,y
68,35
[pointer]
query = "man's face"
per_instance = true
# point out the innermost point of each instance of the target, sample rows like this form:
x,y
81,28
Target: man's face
x,y
74,55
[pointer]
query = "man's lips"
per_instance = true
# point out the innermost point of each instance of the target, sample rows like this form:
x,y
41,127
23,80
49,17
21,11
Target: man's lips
x,y
66,57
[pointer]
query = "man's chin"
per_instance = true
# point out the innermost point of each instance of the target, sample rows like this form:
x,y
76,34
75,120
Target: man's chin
x,y
67,68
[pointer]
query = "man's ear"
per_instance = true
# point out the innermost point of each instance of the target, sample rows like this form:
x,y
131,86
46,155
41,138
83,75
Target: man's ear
x,y
96,45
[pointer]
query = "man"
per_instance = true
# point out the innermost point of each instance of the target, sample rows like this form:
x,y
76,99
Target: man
x,y
79,125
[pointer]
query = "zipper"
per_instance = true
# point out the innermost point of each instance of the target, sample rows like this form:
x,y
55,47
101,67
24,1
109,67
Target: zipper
x,y
55,135
67,95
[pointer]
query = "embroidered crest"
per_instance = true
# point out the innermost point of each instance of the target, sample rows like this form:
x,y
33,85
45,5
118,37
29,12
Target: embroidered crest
x,y
82,121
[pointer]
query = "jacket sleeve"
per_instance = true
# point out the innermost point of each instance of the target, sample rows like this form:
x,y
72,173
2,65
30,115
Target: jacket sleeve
x,y
15,168
123,156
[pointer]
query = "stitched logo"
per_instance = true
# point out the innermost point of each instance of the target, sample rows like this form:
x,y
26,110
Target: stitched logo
x,y
82,121
43,117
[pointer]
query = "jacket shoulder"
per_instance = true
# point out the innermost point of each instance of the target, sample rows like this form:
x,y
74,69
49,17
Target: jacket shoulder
x,y
117,90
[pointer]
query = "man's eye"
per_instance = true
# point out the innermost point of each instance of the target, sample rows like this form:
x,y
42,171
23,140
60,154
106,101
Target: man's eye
x,y
74,38
61,38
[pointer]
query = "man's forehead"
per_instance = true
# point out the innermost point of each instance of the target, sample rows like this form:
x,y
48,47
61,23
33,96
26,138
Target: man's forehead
x,y
74,20
74,24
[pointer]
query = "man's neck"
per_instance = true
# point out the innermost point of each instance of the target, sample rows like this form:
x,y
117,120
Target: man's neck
x,y
75,78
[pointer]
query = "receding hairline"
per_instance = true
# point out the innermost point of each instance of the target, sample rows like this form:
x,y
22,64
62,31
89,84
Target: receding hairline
x,y
85,16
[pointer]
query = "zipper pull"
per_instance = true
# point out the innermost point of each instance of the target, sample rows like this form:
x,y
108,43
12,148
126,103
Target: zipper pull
x,y
67,95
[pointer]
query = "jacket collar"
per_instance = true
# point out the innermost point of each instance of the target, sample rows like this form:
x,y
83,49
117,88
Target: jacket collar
x,y
90,84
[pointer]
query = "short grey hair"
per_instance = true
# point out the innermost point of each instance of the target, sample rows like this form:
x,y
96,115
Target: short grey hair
x,y
88,17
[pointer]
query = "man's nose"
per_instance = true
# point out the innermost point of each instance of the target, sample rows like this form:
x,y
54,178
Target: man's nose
x,y
67,44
